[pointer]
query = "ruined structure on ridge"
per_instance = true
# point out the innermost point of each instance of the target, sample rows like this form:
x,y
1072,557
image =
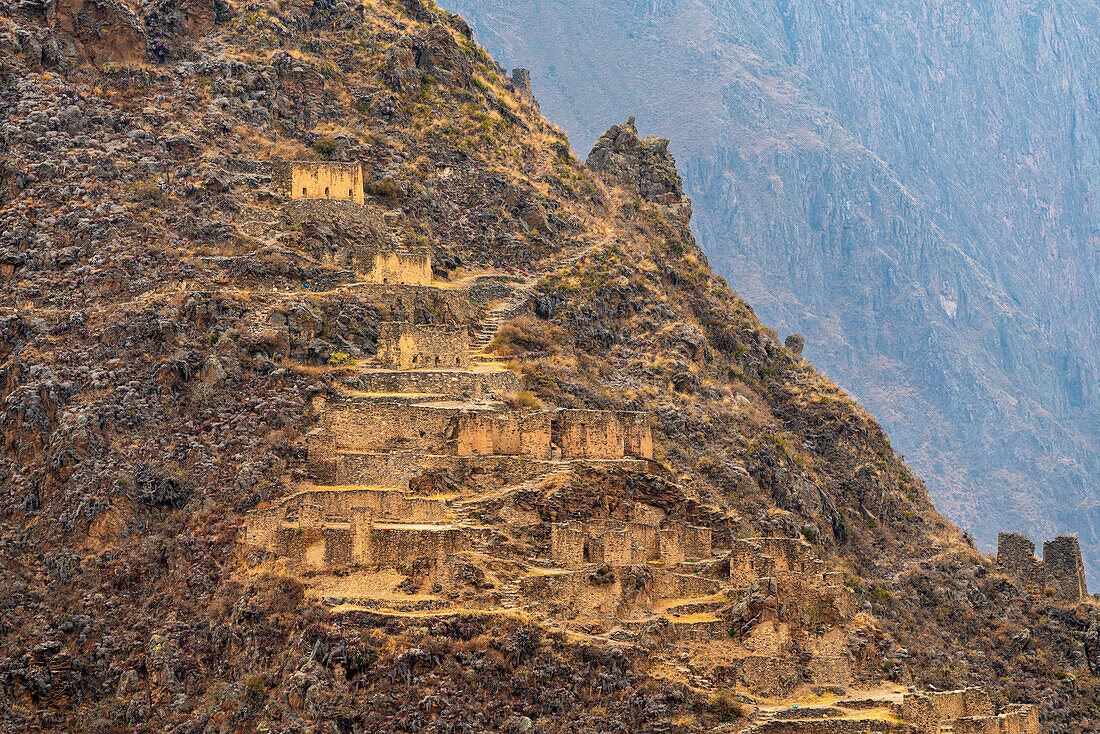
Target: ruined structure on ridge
x,y
318,180
404,346
521,79
1060,570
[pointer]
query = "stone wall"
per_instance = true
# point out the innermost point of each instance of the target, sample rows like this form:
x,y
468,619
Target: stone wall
x,y
318,180
929,711
397,468
602,434
832,726
377,426
313,541
521,80
1060,569
374,425
441,382
384,504
1064,571
1016,719
626,589
398,267
403,346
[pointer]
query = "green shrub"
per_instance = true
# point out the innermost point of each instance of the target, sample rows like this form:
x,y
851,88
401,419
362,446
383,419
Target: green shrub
x,y
325,147
340,359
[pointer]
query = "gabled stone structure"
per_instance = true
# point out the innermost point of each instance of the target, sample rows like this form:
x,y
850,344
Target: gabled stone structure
x,y
318,180
403,346
1060,569
602,434
624,544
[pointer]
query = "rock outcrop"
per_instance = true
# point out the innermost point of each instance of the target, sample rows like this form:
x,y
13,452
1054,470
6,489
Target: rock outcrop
x,y
644,165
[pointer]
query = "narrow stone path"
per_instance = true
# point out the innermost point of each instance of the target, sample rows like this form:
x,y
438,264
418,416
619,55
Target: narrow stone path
x,y
497,316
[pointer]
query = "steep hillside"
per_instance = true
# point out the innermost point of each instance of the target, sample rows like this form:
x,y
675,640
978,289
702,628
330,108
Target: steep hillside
x,y
909,187
481,445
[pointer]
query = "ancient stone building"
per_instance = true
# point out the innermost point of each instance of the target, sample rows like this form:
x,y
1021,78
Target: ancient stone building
x,y
602,434
380,426
318,180
404,346
312,538
1060,569
399,267
967,710
622,544
755,558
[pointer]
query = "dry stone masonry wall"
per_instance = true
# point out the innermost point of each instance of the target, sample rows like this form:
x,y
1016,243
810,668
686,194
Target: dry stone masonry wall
x,y
404,346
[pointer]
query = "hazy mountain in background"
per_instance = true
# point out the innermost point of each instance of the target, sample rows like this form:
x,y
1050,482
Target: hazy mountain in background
x,y
909,185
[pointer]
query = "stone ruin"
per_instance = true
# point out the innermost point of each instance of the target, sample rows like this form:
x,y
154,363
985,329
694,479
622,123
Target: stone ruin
x,y
1060,570
318,180
407,460
354,427
575,544
403,346
409,266
965,711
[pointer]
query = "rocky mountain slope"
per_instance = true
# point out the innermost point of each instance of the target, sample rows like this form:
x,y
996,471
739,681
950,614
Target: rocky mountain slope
x,y
909,187
176,327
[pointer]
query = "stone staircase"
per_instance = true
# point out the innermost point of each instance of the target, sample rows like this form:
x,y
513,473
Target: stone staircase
x,y
499,315
510,595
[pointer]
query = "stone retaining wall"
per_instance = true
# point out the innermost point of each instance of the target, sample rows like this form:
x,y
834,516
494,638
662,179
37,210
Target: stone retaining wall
x,y
441,382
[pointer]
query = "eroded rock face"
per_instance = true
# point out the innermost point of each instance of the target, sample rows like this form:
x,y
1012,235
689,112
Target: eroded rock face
x,y
103,31
180,19
646,165
437,56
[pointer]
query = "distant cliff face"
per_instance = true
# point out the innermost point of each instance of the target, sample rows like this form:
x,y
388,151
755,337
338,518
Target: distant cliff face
x,y
909,185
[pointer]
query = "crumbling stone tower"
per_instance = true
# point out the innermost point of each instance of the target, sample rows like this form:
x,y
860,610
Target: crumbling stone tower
x,y
521,80
1060,569
1065,573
